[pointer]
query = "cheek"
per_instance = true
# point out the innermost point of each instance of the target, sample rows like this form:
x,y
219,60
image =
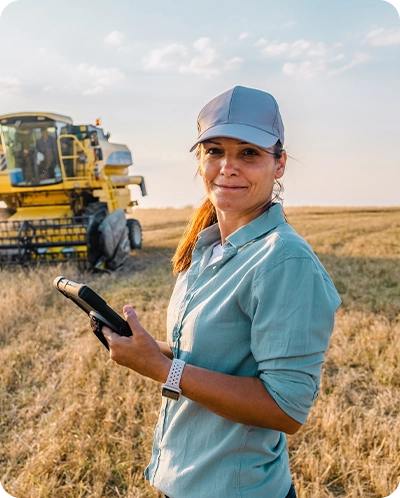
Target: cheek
x,y
206,172
204,177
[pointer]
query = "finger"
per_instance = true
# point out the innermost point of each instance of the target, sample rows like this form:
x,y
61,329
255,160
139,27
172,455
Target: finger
x,y
131,317
128,310
108,333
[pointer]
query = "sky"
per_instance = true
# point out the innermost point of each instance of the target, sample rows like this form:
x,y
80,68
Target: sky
x,y
147,68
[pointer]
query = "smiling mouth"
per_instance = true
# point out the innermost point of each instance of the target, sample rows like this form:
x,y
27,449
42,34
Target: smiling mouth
x,y
230,187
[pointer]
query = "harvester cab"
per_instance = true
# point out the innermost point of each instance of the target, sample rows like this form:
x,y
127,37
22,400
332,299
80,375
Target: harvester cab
x,y
64,192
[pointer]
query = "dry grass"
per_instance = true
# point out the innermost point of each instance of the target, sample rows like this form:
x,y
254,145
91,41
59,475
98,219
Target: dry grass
x,y
74,425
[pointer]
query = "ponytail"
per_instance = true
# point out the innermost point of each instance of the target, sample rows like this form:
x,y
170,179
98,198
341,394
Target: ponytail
x,y
202,218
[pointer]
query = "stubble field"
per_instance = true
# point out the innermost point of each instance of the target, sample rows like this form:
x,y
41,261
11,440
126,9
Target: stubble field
x,y
74,425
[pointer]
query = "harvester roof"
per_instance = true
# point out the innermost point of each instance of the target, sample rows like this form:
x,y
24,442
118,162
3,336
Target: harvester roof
x,y
39,115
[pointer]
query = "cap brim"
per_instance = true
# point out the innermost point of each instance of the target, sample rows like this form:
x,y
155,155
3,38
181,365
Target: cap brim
x,y
246,133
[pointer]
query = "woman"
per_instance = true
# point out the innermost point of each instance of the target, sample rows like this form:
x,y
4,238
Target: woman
x,y
249,320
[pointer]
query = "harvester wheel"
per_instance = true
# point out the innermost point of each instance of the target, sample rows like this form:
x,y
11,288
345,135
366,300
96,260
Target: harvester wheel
x,y
134,233
97,212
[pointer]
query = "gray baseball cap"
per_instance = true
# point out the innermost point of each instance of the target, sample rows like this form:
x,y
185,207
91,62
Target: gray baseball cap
x,y
244,113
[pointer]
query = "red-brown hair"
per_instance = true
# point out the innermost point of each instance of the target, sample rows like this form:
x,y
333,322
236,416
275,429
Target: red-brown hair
x,y
203,217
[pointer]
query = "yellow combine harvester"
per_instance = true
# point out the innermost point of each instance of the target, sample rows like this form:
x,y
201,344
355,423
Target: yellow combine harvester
x,y
64,192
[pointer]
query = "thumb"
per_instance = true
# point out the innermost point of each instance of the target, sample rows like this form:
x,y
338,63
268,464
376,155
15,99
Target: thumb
x,y
130,316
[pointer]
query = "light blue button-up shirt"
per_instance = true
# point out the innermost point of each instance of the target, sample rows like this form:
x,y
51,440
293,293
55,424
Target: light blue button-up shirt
x,y
266,310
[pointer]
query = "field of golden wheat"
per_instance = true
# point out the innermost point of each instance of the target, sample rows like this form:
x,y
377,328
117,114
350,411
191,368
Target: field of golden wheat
x,y
75,425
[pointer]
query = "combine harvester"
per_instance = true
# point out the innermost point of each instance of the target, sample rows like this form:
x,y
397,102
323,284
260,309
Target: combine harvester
x,y
64,193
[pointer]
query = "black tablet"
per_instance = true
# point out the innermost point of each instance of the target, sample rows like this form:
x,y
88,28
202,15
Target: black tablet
x,y
94,306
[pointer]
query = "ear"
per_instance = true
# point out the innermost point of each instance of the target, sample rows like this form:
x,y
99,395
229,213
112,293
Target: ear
x,y
281,166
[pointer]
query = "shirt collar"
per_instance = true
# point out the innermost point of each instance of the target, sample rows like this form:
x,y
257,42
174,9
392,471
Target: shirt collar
x,y
258,227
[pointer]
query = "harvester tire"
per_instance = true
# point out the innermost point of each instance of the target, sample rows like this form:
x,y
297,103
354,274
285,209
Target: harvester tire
x,y
97,212
134,233
114,240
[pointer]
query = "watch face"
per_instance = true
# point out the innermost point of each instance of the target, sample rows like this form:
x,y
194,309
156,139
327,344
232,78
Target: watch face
x,y
170,393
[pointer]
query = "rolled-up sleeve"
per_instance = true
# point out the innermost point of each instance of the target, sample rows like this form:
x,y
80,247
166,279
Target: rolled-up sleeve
x,y
293,306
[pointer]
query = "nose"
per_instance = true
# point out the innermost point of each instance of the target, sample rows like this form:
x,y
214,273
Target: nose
x,y
229,165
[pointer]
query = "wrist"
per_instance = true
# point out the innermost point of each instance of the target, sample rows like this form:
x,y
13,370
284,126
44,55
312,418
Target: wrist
x,y
162,369
171,388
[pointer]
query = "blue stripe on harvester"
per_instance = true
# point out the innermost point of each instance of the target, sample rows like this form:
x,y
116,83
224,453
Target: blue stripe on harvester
x,y
3,162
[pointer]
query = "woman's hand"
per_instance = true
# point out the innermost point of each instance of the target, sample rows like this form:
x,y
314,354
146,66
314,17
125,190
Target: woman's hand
x,y
140,352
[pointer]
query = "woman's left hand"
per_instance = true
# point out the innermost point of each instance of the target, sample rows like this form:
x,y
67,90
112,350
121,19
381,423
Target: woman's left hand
x,y
140,352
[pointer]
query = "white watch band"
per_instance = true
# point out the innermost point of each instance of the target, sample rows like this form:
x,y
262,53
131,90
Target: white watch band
x,y
171,388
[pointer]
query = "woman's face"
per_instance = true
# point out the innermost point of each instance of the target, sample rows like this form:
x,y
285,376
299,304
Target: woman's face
x,y
238,176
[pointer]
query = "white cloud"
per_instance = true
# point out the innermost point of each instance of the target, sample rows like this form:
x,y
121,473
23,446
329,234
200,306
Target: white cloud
x,y
234,63
261,42
96,90
356,60
244,35
203,45
208,63
115,38
90,79
317,50
84,78
56,73
204,60
9,85
275,48
99,76
381,37
304,70
307,59
338,57
166,57
294,49
298,47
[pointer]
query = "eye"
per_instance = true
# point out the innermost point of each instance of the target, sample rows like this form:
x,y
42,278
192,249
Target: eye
x,y
250,152
212,151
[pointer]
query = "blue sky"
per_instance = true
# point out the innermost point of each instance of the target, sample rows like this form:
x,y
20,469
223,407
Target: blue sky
x,y
147,68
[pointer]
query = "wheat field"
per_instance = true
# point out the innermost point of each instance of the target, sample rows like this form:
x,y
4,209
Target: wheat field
x,y
74,425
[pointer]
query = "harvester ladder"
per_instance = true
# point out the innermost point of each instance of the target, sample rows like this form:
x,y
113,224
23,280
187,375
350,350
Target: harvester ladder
x,y
112,200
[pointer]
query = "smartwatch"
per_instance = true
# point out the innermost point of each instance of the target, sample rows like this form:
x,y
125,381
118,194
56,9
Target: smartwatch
x,y
171,388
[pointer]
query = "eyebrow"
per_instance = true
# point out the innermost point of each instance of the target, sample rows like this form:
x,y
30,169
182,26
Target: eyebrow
x,y
219,143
